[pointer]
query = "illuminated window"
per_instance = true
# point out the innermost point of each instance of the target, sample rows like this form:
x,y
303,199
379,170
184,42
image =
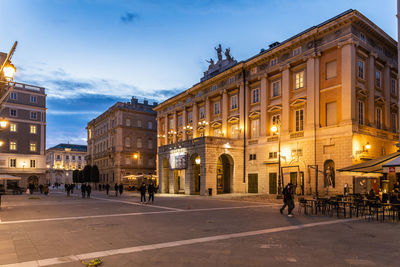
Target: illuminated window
x,y
13,145
32,147
217,132
33,129
299,80
234,130
255,128
13,127
201,113
234,102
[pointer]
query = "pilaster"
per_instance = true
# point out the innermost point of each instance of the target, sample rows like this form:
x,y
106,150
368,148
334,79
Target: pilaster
x,y
225,110
285,117
370,105
263,103
348,83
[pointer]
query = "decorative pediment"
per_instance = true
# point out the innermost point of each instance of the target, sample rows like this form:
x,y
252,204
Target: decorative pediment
x,y
379,100
254,115
233,119
394,107
274,108
201,128
362,93
216,124
299,101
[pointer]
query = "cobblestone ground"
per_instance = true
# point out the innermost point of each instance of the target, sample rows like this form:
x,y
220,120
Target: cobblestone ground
x,y
58,230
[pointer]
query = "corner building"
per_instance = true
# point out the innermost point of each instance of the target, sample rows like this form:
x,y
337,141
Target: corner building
x,y
332,89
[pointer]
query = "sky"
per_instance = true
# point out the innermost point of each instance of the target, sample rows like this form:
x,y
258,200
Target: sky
x,y
89,54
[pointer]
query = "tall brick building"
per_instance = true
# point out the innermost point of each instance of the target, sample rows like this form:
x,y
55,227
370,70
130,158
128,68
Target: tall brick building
x,y
331,90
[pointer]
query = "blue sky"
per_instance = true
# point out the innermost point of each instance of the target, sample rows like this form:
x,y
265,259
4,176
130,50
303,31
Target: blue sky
x,y
88,54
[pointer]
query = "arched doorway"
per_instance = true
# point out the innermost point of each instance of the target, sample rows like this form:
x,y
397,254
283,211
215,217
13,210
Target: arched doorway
x,y
33,180
224,174
195,159
165,176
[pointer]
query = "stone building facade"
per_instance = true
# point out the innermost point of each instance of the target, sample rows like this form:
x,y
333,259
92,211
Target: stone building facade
x,y
62,160
123,141
331,91
22,153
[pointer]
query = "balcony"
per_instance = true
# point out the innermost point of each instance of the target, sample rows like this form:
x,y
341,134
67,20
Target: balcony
x,y
202,141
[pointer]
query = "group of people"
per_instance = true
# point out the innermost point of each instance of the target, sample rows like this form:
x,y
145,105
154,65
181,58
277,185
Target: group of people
x,y
86,190
42,188
118,188
150,189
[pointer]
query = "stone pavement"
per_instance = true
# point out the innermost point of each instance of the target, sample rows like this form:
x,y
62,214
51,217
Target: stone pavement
x,y
183,230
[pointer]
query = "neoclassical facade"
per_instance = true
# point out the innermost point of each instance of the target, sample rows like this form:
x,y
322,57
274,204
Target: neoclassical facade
x,y
331,91
62,160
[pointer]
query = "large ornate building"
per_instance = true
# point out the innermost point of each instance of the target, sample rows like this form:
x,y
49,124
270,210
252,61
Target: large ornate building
x,y
62,160
330,91
122,141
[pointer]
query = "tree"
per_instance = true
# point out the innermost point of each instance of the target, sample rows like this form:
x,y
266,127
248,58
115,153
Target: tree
x,y
75,176
95,175
86,174
80,177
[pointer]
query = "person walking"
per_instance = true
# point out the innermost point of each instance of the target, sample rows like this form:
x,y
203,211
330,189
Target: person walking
x,y
107,188
46,189
41,188
116,189
68,188
151,189
88,190
288,199
121,189
31,188
142,190
83,190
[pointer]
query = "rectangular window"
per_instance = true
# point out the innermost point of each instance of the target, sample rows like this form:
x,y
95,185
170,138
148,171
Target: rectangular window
x,y
299,80
33,115
331,114
13,145
273,155
393,88
378,79
139,143
190,117
171,124
234,130
139,123
13,127
201,113
297,51
231,80
32,147
394,122
274,62
180,120
234,102
360,72
299,120
331,70
255,95
33,99
276,91
13,112
361,113
58,157
253,157
66,157
216,107
217,132
150,144
128,122
13,96
255,128
13,163
33,129
79,157
379,118
33,163
362,37
150,125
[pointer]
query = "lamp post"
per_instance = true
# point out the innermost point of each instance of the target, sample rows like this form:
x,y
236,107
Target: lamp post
x,y
276,129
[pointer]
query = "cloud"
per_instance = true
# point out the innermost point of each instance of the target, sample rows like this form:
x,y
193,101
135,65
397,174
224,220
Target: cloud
x,y
129,17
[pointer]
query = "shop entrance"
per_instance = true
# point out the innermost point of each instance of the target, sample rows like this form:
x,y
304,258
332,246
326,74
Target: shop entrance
x,y
224,173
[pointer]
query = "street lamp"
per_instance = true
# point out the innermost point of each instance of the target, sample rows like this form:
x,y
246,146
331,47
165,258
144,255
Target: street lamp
x,y
9,71
276,129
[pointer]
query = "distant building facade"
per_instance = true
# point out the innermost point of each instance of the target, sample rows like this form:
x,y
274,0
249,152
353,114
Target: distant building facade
x,y
331,91
24,140
122,141
62,160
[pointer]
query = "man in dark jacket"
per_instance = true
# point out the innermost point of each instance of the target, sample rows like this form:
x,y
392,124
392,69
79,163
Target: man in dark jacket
x,y
116,189
107,188
288,199
121,189
41,188
83,190
151,190
88,190
142,190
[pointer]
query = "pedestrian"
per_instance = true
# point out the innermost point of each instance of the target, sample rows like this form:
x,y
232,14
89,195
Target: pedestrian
x,y
46,189
142,190
72,188
83,190
107,188
88,190
288,199
151,189
99,187
121,189
31,188
68,188
116,189
41,188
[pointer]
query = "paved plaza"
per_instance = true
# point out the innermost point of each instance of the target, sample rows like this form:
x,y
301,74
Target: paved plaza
x,y
58,230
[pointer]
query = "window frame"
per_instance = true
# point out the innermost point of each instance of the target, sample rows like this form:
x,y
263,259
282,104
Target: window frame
x,y
378,80
299,120
217,107
32,127
255,95
378,114
361,70
13,94
32,147
361,115
13,145
278,82
33,117
11,112
234,101
33,98
299,83
13,127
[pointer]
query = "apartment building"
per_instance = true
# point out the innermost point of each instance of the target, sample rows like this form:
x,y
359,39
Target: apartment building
x,y
330,92
122,141
62,160
22,153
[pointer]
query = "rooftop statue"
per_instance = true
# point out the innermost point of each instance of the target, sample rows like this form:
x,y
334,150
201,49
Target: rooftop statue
x,y
219,52
228,55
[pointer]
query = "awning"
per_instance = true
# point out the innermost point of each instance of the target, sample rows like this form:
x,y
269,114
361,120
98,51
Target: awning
x,y
9,177
392,166
373,166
